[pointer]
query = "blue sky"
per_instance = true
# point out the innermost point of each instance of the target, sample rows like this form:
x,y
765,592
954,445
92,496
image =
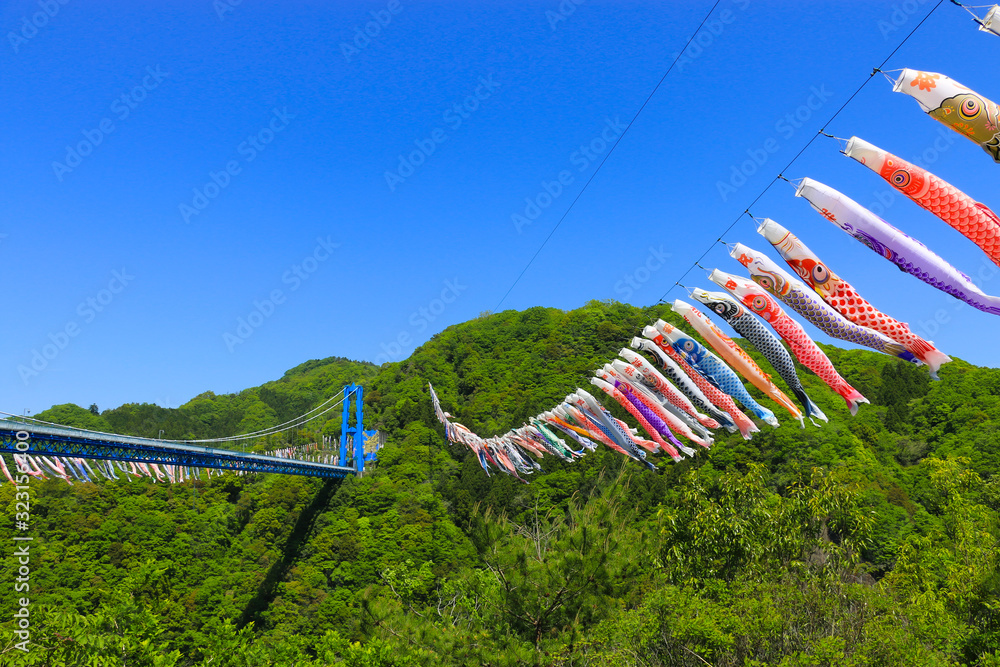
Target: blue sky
x,y
258,184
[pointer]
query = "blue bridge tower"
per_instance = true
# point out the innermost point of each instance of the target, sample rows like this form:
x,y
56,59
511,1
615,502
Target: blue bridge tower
x,y
353,434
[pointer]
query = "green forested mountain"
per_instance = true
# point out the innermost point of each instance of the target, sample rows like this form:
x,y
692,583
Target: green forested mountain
x,y
871,540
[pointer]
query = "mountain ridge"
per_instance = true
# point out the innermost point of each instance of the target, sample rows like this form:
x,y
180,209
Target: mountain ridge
x,y
866,541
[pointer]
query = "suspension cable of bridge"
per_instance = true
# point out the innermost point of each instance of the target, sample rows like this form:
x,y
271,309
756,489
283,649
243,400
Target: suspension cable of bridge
x,y
290,424
272,430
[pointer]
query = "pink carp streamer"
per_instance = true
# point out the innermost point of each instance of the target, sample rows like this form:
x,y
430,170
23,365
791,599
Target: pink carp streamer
x,y
803,347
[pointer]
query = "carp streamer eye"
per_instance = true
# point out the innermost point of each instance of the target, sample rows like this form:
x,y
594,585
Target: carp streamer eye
x,y
720,309
900,178
970,108
689,346
819,274
766,282
758,303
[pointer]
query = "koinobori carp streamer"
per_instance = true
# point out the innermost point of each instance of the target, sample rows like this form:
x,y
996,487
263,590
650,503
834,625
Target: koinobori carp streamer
x,y
949,102
802,299
747,325
975,221
735,356
714,394
652,410
907,253
684,382
646,391
713,368
843,298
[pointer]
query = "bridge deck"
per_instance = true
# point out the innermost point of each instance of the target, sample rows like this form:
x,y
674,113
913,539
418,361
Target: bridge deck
x,y
63,441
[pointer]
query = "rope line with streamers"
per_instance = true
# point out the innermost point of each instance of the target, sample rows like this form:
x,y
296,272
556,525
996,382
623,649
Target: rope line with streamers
x,y
821,131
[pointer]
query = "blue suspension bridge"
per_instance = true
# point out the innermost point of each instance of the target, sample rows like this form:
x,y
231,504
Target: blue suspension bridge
x,y
40,438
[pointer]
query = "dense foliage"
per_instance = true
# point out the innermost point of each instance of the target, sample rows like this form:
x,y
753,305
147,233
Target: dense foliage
x,y
868,541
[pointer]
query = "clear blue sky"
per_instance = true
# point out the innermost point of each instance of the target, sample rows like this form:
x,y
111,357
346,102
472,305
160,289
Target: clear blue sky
x,y
228,159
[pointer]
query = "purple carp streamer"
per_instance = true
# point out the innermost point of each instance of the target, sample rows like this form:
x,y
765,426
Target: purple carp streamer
x,y
631,381
684,382
644,375
960,108
606,422
907,253
643,415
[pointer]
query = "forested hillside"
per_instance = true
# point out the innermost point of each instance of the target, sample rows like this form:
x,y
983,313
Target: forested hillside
x,y
871,540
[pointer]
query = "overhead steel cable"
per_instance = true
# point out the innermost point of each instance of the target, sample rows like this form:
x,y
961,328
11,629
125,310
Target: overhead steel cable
x,y
608,155
780,176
